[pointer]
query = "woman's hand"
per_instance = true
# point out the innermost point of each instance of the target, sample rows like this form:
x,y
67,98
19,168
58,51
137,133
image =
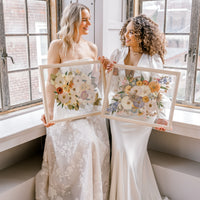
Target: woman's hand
x,y
107,64
162,122
43,119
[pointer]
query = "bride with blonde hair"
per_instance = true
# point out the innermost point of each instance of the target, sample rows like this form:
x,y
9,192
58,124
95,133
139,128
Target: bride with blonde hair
x,y
76,155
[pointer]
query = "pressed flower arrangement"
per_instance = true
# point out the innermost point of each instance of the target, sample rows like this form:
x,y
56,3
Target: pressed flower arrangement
x,y
137,96
75,90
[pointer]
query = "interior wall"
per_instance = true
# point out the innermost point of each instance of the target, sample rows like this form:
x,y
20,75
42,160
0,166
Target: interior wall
x,y
21,152
177,145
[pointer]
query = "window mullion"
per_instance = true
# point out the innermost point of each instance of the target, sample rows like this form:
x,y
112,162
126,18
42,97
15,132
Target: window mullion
x,y
192,62
3,65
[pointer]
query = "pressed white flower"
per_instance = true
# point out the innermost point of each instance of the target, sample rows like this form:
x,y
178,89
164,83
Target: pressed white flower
x,y
151,106
143,91
126,103
68,78
64,98
85,78
72,98
135,90
59,81
77,80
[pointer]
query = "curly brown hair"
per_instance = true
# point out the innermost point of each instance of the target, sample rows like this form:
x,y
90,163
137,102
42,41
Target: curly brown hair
x,y
151,40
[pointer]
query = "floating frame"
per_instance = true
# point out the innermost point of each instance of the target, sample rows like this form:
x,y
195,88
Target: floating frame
x,y
107,110
76,64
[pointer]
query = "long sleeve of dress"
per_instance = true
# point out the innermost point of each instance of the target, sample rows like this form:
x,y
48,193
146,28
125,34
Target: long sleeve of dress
x,y
156,63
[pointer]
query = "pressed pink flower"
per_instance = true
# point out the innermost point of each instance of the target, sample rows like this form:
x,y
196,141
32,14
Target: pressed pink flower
x,y
84,95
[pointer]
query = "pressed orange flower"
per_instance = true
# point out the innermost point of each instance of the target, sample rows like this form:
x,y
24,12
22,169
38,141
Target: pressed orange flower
x,y
139,83
145,99
145,82
154,86
71,84
140,113
59,90
134,107
127,89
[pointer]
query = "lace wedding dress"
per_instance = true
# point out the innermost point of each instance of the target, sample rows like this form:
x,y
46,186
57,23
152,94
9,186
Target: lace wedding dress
x,y
132,176
76,161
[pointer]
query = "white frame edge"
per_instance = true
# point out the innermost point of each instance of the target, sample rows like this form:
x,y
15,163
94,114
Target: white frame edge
x,y
162,71
70,63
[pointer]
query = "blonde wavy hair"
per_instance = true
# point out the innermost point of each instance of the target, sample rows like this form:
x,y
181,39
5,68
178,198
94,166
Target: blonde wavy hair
x,y
70,23
151,40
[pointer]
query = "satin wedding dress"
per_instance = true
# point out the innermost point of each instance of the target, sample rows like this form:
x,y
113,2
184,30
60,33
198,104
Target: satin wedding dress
x,y
76,161
132,176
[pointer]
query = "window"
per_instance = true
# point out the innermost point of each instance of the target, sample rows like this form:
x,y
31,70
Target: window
x,y
24,39
180,20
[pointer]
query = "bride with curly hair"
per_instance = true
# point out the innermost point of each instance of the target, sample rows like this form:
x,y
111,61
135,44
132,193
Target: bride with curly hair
x,y
132,176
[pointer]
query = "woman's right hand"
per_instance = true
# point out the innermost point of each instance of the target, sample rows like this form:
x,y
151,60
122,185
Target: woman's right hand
x,y
43,119
107,64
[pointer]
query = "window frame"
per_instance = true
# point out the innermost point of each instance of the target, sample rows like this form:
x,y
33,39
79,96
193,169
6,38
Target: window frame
x,y
193,48
4,88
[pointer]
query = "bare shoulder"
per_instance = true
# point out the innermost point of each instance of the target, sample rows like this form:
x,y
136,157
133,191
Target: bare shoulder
x,y
93,48
56,44
54,51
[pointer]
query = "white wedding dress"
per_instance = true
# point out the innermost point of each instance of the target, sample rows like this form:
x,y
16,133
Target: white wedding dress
x,y
76,161
132,176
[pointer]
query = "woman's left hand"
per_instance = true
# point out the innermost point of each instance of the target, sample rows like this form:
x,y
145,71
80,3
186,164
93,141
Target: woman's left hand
x,y
162,122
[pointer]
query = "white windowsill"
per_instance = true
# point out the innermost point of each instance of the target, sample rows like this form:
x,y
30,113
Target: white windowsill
x,y
21,127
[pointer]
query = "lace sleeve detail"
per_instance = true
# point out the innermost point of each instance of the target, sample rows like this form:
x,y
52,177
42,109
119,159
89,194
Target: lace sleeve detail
x,y
115,55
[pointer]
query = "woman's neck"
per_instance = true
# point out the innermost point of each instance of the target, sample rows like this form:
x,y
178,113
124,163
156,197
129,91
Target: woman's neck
x,y
133,57
77,39
135,50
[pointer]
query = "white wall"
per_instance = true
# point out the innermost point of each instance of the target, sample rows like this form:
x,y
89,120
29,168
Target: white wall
x,y
108,22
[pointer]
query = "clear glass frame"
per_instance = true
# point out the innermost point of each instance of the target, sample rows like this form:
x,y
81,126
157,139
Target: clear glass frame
x,y
78,89
141,95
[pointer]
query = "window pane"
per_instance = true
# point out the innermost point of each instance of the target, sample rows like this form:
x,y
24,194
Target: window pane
x,y
19,87
36,88
177,48
198,59
197,88
178,16
16,47
38,50
182,84
0,100
154,10
14,16
37,16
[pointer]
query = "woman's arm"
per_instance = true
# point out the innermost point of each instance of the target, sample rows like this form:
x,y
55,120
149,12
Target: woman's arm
x,y
53,58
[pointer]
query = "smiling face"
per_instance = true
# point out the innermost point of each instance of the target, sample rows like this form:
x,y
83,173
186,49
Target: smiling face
x,y
85,22
131,40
